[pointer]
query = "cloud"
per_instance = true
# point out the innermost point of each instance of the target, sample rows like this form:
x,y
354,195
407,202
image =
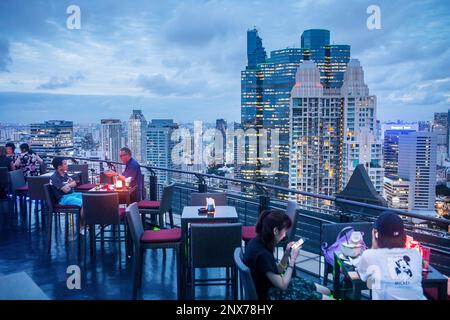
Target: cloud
x,y
161,85
5,57
59,83
195,49
197,24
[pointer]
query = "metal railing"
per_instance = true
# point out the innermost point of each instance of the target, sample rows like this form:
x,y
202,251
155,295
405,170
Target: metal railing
x,y
314,210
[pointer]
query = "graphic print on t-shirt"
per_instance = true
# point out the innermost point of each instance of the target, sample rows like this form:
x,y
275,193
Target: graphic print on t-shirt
x,y
400,269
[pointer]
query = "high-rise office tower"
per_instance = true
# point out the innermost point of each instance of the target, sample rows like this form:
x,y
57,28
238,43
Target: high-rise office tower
x,y
424,126
331,59
137,136
316,133
392,133
111,134
440,128
159,147
220,155
417,164
52,137
361,143
448,134
255,50
396,192
265,94
265,98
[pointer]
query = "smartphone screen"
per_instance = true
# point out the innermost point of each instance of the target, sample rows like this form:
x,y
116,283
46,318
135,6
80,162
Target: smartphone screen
x,y
298,243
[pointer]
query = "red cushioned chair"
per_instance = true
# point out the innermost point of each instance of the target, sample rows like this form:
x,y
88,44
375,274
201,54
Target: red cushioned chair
x,y
150,239
160,208
18,187
54,210
249,232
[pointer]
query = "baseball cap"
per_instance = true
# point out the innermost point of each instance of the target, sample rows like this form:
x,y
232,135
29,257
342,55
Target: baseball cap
x,y
389,224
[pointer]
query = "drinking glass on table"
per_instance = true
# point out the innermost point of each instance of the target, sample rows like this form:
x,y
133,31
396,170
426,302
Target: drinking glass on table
x,y
97,183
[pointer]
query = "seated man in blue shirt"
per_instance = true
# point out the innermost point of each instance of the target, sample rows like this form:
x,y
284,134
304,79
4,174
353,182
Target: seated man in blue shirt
x,y
63,186
133,170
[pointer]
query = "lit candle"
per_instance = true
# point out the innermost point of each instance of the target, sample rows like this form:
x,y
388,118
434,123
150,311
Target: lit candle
x,y
119,184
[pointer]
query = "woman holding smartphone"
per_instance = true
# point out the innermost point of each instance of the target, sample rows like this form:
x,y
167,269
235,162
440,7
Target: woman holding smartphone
x,y
272,280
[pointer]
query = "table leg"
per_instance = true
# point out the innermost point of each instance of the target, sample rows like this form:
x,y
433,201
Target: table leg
x,y
183,257
357,287
336,279
442,291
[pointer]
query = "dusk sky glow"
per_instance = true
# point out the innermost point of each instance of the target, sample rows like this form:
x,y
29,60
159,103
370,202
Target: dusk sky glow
x,y
182,59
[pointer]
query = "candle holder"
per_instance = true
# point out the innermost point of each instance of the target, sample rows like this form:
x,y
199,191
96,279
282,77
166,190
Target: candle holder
x,y
210,206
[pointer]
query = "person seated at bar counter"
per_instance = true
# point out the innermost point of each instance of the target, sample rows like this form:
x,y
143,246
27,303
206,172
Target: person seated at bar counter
x,y
132,170
63,187
274,281
391,270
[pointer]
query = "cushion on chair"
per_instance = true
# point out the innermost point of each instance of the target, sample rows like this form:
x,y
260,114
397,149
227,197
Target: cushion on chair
x,y
122,212
85,187
67,207
432,293
22,188
248,233
148,204
161,236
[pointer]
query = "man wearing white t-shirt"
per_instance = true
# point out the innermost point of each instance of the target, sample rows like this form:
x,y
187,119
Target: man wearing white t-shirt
x,y
391,271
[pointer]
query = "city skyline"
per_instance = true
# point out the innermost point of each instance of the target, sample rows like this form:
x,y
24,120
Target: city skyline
x,y
173,57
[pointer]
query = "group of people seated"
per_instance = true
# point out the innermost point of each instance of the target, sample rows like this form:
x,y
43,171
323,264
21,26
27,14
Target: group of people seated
x,y
64,186
379,265
27,160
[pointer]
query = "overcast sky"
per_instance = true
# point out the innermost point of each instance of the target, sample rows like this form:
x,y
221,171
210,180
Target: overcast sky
x,y
182,59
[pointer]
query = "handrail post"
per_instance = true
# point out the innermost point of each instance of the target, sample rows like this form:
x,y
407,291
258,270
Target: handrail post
x,y
264,199
153,187
202,186
344,217
264,202
153,184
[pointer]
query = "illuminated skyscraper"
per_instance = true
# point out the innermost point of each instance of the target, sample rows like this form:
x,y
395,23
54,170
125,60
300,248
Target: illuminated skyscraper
x,y
361,143
255,50
266,94
417,164
316,133
111,133
331,59
392,135
159,146
440,128
137,136
52,137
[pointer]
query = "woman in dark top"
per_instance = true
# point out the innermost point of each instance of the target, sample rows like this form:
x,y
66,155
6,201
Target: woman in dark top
x,y
271,280
5,161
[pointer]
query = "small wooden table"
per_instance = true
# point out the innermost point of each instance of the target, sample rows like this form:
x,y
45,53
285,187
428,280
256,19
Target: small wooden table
x,y
430,279
223,214
124,193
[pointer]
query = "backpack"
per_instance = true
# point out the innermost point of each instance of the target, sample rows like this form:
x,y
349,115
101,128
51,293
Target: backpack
x,y
343,236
